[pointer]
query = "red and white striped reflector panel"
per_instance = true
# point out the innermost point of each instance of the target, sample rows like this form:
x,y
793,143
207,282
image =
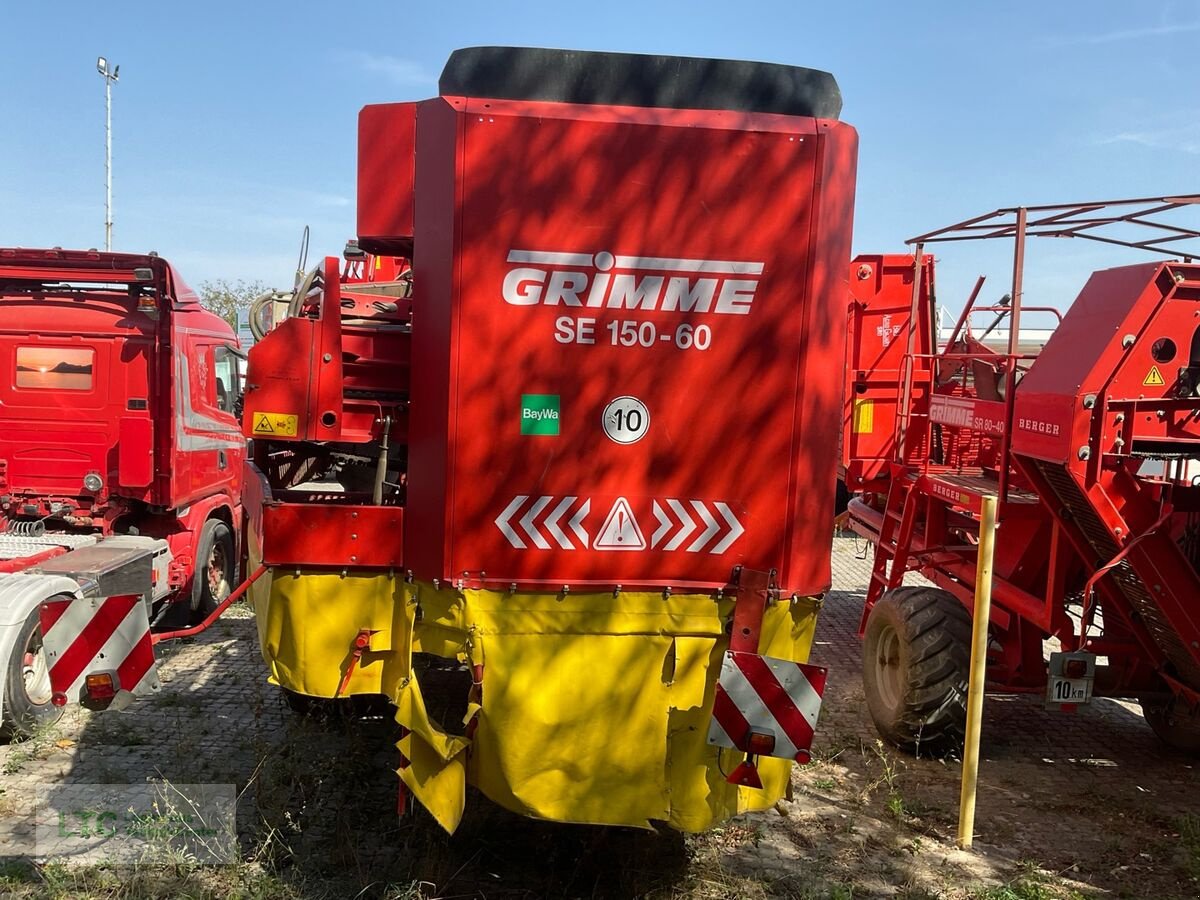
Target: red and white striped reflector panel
x,y
768,696
89,636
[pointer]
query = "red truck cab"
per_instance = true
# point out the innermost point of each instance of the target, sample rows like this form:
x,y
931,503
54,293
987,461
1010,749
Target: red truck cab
x,y
117,418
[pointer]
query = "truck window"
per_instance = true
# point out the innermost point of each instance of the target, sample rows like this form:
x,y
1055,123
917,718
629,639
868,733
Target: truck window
x,y
225,366
55,368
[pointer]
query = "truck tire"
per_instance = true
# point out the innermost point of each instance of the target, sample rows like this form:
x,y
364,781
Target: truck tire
x,y
916,665
1175,725
213,578
27,694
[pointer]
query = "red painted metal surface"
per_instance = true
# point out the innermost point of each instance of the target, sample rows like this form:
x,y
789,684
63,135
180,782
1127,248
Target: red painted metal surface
x,y
546,269
110,369
337,369
879,317
326,534
386,156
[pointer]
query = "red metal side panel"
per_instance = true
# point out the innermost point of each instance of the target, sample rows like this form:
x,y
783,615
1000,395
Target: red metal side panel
x,y
135,451
322,534
386,166
279,377
1081,356
820,375
879,315
435,274
690,262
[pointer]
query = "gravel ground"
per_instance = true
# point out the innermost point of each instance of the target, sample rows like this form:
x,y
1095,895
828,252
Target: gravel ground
x,y
1087,804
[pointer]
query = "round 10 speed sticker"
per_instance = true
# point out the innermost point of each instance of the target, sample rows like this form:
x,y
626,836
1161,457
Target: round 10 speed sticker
x,y
626,420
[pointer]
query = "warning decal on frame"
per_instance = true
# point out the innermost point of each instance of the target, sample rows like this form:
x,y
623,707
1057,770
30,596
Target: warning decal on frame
x,y
1154,378
275,424
620,530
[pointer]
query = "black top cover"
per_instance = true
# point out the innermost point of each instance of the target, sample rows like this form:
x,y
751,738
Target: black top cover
x,y
634,79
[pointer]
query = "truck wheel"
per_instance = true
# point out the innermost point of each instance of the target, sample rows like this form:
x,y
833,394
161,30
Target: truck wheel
x,y
916,665
213,579
1175,725
27,692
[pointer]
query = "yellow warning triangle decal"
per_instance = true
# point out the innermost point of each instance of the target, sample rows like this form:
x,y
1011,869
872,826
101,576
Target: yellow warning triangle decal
x,y
262,424
1154,378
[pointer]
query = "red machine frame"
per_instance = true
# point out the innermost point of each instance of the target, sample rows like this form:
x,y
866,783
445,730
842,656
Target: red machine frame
x,y
1062,443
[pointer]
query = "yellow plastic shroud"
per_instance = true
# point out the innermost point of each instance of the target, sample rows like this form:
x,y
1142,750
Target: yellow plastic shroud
x,y
595,707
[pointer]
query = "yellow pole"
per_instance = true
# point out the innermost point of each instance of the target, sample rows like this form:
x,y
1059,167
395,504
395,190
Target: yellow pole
x,y
979,644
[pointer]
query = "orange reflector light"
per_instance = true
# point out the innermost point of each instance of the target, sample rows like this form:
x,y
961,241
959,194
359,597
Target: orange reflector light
x,y
147,303
1075,668
761,743
101,687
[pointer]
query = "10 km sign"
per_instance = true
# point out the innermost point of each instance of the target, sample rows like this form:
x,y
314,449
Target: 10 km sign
x,y
549,522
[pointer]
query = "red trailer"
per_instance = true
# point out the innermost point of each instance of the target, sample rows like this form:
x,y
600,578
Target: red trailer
x,y
121,462
1091,447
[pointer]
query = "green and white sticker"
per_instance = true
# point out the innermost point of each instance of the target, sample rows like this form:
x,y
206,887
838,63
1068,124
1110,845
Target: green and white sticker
x,y
539,414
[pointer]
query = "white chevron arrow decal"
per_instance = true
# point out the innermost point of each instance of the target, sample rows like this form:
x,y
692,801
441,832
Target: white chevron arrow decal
x,y
552,523
503,519
576,523
686,521
528,530
527,522
664,525
710,527
735,529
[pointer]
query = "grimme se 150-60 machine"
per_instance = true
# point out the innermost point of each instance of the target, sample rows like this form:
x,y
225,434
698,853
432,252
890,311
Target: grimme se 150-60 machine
x,y
1091,447
561,490
121,463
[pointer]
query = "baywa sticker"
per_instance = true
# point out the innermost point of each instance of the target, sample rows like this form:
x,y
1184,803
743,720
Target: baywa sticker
x,y
539,414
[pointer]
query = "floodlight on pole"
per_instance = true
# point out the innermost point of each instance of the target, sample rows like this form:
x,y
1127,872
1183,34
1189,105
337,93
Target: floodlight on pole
x,y
109,76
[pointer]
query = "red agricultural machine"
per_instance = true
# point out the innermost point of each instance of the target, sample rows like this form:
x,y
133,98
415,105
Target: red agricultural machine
x,y
121,463
559,490
1091,447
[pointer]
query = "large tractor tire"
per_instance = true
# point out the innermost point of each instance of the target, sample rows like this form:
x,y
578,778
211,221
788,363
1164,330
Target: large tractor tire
x,y
27,693
1176,725
916,666
215,571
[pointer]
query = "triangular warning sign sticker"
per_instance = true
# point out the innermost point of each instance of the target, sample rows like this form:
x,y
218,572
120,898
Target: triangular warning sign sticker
x,y
620,530
262,424
1154,378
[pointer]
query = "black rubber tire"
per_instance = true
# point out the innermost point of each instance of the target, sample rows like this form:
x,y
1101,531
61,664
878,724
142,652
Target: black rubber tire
x,y
916,667
1175,725
214,536
22,716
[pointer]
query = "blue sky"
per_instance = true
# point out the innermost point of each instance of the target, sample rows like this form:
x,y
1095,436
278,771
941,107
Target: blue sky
x,y
234,123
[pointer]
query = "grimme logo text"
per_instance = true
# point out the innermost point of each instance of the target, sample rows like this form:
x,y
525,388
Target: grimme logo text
x,y
605,281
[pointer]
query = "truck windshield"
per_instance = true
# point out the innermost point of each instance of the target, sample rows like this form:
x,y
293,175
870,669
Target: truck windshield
x,y
55,368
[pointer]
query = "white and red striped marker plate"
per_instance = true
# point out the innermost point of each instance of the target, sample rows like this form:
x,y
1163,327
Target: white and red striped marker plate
x,y
86,636
764,694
